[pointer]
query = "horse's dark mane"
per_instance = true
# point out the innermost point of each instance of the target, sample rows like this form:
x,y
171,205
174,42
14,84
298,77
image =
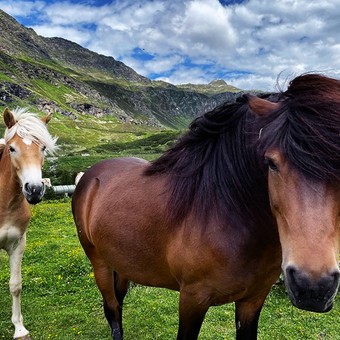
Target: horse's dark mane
x,y
306,129
213,170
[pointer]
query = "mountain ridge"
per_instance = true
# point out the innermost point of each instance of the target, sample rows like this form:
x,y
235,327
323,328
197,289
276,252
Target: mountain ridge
x,y
55,74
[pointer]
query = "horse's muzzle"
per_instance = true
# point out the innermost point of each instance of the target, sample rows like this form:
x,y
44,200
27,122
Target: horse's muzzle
x,y
34,192
309,294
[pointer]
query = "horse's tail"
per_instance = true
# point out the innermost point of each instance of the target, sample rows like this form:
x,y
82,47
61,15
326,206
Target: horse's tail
x,y
78,177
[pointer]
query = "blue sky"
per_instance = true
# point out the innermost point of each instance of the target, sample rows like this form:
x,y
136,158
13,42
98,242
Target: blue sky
x,y
247,43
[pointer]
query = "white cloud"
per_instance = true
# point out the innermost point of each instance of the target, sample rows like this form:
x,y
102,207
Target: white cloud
x,y
205,28
255,81
21,8
65,13
199,40
81,37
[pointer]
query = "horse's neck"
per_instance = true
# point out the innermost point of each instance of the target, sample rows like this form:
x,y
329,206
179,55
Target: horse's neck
x,y
14,208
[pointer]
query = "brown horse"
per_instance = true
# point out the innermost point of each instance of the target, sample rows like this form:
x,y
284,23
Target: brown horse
x,y
210,216
22,156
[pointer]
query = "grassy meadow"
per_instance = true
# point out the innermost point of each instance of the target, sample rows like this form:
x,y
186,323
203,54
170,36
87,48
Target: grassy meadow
x,y
60,299
86,140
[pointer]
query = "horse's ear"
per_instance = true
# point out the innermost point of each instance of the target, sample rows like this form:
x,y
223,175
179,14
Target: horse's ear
x,y
47,118
259,106
8,118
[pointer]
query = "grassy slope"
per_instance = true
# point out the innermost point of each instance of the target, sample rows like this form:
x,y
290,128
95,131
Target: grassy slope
x,y
87,139
60,299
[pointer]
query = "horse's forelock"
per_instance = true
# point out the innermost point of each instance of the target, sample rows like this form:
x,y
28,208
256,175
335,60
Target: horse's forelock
x,y
29,126
306,129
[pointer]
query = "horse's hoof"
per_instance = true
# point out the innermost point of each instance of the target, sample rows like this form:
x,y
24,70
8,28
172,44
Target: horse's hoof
x,y
25,337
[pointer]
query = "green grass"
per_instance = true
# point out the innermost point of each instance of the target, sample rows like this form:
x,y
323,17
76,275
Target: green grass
x,y
87,141
60,299
59,92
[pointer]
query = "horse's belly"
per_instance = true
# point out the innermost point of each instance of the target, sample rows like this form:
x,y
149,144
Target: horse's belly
x,y
140,261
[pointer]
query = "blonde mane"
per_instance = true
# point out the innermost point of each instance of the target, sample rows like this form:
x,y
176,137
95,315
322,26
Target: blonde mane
x,y
29,126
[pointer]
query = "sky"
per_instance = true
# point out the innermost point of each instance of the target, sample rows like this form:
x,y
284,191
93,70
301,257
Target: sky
x,y
251,44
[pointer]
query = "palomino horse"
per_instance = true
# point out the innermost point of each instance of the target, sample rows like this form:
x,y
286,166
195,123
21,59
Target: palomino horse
x,y
210,216
22,157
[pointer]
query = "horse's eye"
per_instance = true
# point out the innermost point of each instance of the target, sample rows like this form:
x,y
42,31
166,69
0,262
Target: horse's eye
x,y
43,148
271,164
11,149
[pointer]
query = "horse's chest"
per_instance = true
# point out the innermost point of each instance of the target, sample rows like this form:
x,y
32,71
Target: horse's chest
x,y
14,218
10,234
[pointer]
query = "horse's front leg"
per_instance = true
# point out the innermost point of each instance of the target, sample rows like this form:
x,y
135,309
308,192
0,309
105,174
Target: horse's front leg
x,y
192,311
247,313
16,252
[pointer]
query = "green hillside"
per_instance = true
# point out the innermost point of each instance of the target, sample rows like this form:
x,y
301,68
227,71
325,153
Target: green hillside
x,y
101,107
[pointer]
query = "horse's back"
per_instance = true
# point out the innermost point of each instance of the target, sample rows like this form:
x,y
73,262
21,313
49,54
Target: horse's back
x,y
110,167
106,171
104,186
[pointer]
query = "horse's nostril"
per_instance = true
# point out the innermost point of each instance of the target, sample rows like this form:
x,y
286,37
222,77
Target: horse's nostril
x,y
336,275
291,273
27,187
34,189
336,278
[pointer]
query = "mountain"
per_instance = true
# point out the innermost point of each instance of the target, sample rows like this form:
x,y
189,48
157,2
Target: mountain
x,y
54,74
